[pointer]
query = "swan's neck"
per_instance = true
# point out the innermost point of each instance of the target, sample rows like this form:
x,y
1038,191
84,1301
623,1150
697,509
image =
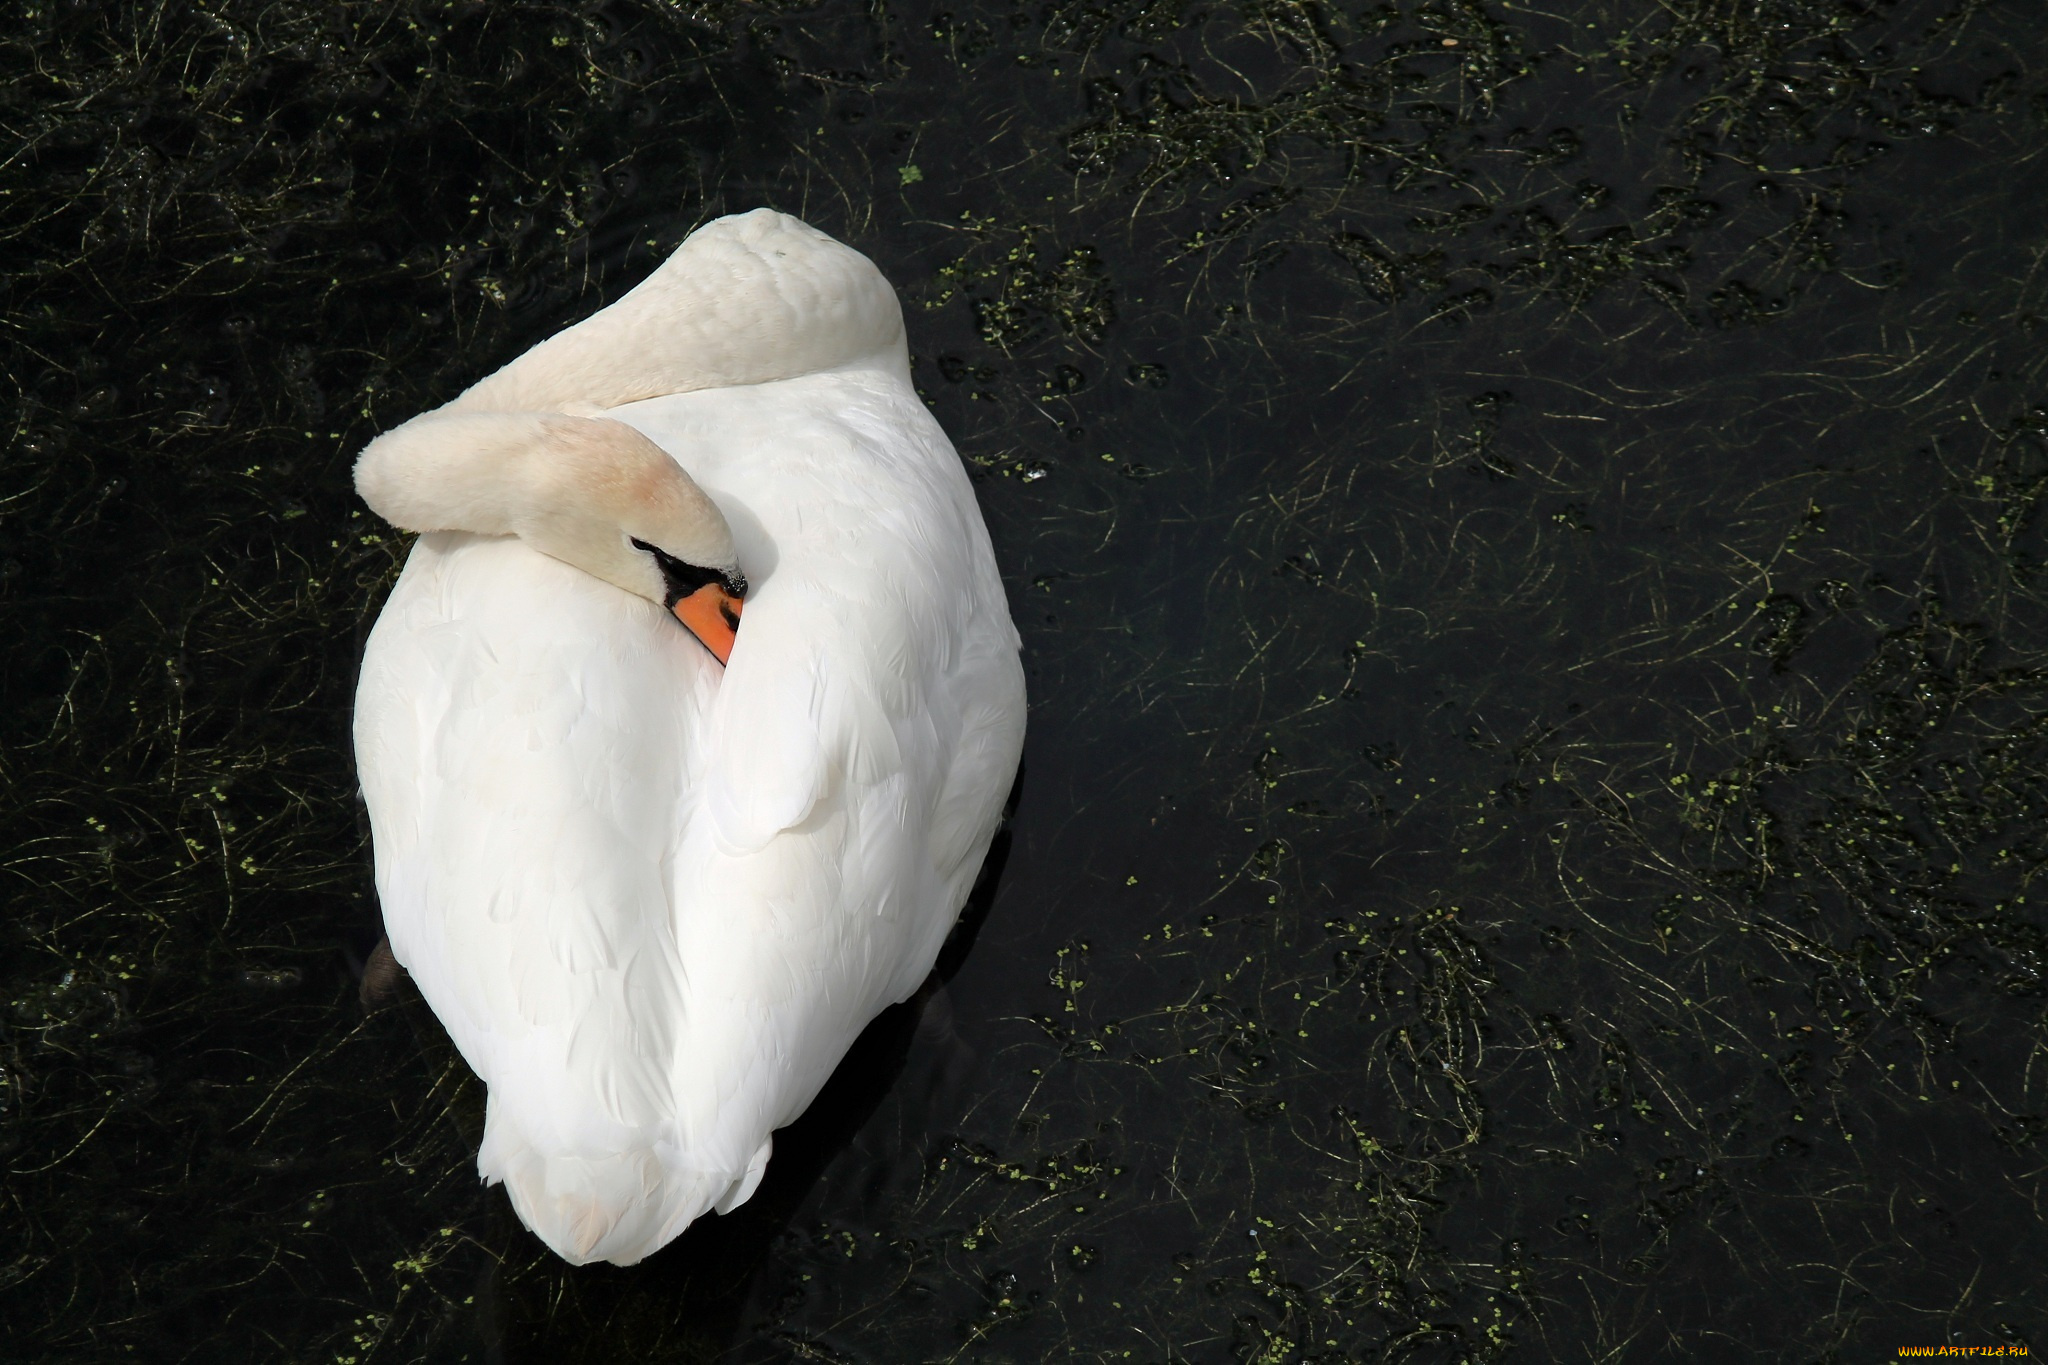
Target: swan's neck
x,y
745,300
582,489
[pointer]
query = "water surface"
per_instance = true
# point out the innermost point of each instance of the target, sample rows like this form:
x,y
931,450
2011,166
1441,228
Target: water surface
x,y
1526,530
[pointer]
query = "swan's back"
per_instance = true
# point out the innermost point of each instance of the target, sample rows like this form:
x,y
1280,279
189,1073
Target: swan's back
x,y
652,900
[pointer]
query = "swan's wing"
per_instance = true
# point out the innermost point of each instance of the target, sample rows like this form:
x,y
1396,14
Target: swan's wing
x,y
863,739
523,736
881,644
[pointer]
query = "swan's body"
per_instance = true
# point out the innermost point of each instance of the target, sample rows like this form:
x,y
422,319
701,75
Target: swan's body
x,y
652,899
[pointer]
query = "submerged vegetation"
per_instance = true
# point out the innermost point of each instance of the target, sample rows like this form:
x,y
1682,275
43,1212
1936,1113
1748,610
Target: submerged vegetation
x,y
1527,530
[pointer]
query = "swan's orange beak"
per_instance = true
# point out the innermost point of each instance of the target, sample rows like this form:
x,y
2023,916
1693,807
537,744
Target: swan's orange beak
x,y
713,616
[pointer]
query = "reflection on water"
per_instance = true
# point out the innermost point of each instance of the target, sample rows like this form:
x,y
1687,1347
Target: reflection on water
x,y
1525,527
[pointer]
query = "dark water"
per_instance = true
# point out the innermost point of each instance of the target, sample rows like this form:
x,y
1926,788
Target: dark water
x,y
1526,526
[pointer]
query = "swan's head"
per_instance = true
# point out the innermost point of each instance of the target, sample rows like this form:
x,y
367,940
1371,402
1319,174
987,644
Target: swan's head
x,y
589,491
612,503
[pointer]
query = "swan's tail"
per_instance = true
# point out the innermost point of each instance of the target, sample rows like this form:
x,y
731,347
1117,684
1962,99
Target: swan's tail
x,y
621,1207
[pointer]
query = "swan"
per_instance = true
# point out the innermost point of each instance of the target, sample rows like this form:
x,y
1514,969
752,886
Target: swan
x,y
686,726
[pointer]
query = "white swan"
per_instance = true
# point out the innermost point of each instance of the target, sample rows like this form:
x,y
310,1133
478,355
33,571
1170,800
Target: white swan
x,y
652,897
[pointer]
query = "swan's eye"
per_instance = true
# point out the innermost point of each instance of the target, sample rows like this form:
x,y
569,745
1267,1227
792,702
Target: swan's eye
x,y
679,578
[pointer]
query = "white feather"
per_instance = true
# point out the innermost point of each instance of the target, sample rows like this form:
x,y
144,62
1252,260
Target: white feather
x,y
654,901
